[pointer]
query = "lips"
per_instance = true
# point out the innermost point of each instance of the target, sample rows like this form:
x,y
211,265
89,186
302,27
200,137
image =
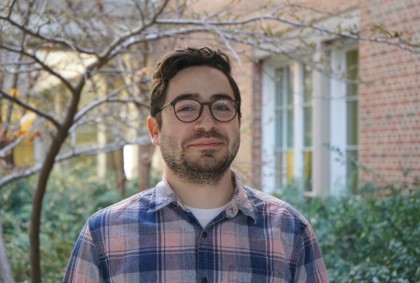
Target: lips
x,y
206,143
201,139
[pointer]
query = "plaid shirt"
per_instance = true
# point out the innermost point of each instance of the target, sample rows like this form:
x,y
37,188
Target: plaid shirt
x,y
152,237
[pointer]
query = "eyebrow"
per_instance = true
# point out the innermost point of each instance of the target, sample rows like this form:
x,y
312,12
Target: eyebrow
x,y
197,96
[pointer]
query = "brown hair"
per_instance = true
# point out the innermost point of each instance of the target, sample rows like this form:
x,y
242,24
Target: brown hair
x,y
180,59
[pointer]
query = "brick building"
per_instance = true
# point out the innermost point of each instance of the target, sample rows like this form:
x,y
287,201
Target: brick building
x,y
327,133
316,126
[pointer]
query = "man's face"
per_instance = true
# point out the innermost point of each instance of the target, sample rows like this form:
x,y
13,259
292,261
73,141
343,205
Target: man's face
x,y
201,151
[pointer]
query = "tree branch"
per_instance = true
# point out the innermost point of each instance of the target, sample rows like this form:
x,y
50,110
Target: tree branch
x,y
4,151
26,106
397,42
85,151
44,66
38,35
107,53
98,102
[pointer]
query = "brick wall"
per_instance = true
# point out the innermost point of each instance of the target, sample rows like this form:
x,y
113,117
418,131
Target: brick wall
x,y
390,96
257,131
389,113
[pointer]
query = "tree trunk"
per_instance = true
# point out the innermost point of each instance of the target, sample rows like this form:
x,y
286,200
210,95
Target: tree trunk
x,y
8,161
118,168
39,193
37,199
145,165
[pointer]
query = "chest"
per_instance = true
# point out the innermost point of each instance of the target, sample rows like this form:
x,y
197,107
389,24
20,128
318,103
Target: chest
x,y
174,248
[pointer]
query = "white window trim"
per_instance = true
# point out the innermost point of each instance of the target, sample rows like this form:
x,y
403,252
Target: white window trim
x,y
338,124
268,170
298,87
268,122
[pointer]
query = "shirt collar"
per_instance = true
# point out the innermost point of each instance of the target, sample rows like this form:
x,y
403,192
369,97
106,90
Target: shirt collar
x,y
164,195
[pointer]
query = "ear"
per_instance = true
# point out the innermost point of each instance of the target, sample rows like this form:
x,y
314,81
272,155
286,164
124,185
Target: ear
x,y
153,126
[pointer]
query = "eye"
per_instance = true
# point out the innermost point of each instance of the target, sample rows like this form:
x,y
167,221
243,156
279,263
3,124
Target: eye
x,y
186,106
223,106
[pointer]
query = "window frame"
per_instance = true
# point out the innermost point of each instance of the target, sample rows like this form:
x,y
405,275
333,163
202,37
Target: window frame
x,y
340,177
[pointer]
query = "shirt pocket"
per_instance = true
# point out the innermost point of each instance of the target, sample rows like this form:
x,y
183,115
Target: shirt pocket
x,y
248,274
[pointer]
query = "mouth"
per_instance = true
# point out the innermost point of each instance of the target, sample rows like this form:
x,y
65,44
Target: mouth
x,y
206,143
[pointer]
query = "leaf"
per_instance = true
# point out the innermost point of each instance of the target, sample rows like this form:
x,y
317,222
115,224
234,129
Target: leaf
x,y
27,121
47,48
14,92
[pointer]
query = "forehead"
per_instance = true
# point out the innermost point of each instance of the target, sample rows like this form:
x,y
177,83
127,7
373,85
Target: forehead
x,y
202,81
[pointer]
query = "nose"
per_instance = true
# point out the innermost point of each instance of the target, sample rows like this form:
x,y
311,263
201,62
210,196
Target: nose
x,y
205,121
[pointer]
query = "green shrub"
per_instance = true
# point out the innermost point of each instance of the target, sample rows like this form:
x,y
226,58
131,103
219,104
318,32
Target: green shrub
x,y
366,239
363,238
70,200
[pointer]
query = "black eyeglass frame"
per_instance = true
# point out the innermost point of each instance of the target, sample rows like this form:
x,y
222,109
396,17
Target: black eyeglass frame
x,y
202,104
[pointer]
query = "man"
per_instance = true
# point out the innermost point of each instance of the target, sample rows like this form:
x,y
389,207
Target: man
x,y
199,224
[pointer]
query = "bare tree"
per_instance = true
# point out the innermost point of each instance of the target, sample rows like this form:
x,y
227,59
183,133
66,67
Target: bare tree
x,y
77,64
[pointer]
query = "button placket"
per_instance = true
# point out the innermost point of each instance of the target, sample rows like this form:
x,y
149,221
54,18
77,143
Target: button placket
x,y
204,257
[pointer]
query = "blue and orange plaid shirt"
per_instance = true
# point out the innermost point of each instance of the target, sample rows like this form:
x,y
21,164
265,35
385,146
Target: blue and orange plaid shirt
x,y
152,237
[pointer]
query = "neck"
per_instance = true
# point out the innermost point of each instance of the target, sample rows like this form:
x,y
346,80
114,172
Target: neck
x,y
202,195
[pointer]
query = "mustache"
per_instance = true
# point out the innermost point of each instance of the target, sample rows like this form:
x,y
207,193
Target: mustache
x,y
213,133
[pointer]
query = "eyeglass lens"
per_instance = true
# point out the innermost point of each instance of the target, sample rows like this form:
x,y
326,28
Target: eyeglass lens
x,y
188,110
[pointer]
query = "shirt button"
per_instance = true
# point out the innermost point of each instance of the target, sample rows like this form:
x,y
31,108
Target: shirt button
x,y
204,235
204,280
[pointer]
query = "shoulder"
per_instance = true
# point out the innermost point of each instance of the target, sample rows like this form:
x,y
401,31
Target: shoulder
x,y
268,206
122,211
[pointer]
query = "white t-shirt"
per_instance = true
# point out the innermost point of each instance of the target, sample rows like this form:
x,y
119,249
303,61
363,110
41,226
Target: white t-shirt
x,y
205,215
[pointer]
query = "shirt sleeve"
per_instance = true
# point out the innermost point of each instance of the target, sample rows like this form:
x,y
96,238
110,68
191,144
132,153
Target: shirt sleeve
x,y
310,264
83,265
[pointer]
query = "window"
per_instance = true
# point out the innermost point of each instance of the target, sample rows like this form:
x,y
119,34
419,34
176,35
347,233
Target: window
x,y
345,119
284,121
311,124
352,127
310,127
307,128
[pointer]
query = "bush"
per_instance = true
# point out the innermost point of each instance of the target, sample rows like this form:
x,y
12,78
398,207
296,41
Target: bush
x,y
366,239
70,200
363,238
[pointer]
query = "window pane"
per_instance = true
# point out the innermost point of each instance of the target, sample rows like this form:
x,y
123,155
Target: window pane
x,y
279,88
352,73
352,123
284,126
290,128
279,168
307,81
290,165
352,90
289,86
307,170
352,170
307,126
279,132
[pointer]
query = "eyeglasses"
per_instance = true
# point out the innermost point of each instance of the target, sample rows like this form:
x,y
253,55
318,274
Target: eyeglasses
x,y
189,110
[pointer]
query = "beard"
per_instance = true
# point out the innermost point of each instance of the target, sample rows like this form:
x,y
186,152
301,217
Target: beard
x,y
207,169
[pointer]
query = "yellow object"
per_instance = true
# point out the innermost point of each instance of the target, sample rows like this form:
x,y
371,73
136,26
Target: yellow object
x,y
290,165
14,92
26,123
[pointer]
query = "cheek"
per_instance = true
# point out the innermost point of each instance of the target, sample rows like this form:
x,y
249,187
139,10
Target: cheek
x,y
233,130
176,131
234,135
170,138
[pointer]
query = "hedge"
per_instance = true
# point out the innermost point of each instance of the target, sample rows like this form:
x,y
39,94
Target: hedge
x,y
363,238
